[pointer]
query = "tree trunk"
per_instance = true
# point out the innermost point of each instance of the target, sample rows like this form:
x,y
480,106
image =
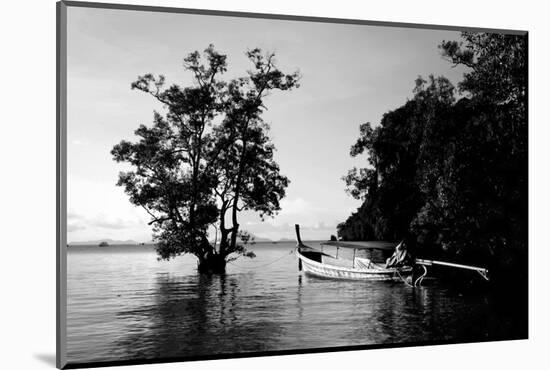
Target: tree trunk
x,y
238,183
224,232
213,263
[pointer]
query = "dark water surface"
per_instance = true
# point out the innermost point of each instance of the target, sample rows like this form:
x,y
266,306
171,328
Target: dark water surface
x,y
124,304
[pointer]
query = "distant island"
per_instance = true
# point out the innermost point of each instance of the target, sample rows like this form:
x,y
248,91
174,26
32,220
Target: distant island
x,y
108,242
259,239
112,242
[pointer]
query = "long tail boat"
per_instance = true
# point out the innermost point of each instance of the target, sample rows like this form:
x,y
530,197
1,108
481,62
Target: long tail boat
x,y
321,264
318,263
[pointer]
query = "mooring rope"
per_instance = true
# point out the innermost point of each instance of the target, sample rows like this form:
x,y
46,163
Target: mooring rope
x,y
419,280
483,275
265,264
403,279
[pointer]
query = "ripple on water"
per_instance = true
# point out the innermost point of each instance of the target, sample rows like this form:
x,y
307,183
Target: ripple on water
x,y
124,304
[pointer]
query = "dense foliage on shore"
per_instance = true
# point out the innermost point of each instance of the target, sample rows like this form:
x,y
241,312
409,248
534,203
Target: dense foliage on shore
x,y
448,172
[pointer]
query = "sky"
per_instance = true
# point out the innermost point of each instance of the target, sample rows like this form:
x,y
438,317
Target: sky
x,y
351,74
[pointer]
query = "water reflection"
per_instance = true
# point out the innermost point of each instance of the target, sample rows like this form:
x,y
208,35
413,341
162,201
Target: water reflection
x,y
126,305
200,315
299,298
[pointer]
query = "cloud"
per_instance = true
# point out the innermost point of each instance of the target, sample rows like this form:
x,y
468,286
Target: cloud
x,y
116,224
316,222
78,142
318,231
296,210
98,209
295,206
71,227
71,215
77,221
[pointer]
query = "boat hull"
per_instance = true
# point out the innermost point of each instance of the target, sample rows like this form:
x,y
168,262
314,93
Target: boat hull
x,y
337,272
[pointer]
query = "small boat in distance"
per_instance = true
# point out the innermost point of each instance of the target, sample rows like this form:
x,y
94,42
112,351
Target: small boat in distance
x,y
318,263
104,244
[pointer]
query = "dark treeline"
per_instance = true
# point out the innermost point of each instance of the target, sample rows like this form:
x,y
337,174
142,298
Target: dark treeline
x,y
448,173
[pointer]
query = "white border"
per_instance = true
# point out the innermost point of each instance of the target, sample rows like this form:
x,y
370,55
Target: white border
x,y
28,186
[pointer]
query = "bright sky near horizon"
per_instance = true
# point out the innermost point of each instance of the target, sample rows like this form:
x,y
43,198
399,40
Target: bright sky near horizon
x,y
350,74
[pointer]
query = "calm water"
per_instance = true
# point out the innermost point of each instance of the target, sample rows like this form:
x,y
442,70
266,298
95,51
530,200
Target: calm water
x,y
124,304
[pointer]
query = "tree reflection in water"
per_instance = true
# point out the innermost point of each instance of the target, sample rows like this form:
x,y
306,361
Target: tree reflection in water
x,y
199,315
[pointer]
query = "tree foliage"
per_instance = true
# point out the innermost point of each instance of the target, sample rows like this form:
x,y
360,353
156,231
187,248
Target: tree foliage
x,y
207,158
451,176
